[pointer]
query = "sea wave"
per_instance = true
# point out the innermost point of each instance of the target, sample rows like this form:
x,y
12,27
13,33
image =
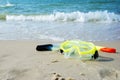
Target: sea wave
x,y
97,16
6,5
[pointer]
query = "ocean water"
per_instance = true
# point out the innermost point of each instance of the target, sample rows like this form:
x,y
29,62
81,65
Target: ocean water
x,y
90,20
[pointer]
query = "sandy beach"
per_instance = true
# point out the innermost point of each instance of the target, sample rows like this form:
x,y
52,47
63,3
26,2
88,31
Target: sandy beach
x,y
19,60
26,24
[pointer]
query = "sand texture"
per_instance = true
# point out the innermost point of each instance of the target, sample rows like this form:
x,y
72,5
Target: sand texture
x,y
19,60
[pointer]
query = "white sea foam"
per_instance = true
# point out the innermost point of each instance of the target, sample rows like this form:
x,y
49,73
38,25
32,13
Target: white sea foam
x,y
98,16
8,4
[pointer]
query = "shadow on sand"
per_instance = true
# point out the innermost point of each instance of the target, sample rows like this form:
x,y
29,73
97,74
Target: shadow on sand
x,y
104,59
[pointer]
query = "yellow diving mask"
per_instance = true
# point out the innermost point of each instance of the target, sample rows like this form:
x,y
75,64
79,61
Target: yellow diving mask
x,y
79,49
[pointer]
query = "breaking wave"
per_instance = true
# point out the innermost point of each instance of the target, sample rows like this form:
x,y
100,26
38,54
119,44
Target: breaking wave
x,y
98,16
7,5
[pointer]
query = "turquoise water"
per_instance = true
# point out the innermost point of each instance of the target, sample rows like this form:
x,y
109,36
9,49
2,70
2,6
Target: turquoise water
x,y
91,20
61,10
51,6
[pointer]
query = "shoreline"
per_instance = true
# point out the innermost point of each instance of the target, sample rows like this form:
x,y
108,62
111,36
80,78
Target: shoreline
x,y
19,60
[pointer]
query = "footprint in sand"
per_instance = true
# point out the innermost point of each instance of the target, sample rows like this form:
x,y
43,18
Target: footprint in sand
x,y
57,76
13,74
2,57
108,74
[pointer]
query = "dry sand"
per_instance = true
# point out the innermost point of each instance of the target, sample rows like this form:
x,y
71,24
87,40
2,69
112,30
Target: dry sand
x,y
20,61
